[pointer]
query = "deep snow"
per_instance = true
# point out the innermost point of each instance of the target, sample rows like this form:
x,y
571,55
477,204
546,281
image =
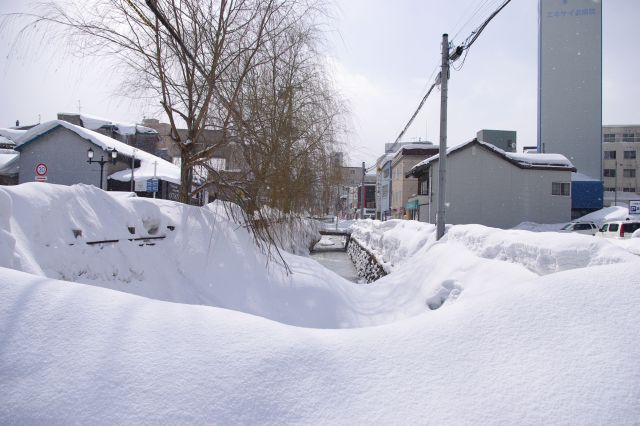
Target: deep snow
x,y
486,326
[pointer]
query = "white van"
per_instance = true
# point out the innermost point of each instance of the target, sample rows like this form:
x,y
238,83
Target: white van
x,y
618,229
588,228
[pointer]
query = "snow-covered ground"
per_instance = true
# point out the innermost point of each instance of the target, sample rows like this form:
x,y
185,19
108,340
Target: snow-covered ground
x,y
486,326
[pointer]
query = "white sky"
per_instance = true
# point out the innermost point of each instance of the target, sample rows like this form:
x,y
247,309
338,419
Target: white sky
x,y
382,54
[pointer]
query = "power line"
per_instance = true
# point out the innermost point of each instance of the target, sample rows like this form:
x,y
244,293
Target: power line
x,y
457,53
480,6
476,33
424,99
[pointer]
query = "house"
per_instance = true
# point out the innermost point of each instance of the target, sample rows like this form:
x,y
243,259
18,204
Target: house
x,y
383,187
58,152
621,163
489,186
404,186
9,157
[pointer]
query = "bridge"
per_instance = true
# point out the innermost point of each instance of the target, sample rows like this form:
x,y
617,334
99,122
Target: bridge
x,y
345,233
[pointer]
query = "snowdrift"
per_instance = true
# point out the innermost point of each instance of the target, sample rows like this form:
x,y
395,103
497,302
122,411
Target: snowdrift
x,y
559,349
208,259
205,258
483,327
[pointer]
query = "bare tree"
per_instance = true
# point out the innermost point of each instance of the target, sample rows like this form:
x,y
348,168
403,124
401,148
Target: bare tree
x,y
248,69
201,49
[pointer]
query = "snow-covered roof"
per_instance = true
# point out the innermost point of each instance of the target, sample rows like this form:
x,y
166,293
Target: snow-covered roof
x,y
164,170
8,162
537,159
6,141
525,161
413,145
11,134
93,122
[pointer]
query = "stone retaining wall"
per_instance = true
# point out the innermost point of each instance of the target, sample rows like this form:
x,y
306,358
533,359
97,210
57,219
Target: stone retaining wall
x,y
364,261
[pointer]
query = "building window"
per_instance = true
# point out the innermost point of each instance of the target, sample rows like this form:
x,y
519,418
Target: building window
x,y
609,137
629,173
609,189
423,186
609,172
218,164
560,188
628,137
630,155
628,190
609,155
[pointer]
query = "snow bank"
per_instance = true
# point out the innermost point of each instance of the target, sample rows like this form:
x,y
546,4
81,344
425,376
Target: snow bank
x,y
561,349
485,326
607,214
540,252
393,241
208,259
539,227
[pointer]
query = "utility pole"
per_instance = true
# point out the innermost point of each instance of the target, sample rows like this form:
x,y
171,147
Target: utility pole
x,y
155,176
362,193
133,162
442,158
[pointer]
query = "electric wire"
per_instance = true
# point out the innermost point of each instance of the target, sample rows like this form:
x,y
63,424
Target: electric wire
x,y
481,5
464,47
476,33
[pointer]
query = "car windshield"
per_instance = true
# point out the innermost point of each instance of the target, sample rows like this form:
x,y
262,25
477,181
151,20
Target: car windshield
x,y
567,226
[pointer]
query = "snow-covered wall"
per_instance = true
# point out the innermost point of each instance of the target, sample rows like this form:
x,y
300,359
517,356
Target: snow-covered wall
x,y
365,262
393,241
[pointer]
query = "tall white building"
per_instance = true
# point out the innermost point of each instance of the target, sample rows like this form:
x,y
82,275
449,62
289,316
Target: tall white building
x,y
570,82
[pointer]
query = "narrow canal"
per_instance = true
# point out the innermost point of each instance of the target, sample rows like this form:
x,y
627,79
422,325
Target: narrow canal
x,y
326,252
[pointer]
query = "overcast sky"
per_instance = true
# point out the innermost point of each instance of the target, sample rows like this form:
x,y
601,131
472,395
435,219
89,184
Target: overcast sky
x,y
383,55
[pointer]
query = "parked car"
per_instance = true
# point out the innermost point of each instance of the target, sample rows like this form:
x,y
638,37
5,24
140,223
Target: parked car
x,y
588,228
619,229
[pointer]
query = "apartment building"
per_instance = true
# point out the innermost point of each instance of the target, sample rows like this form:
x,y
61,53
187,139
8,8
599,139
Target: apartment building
x,y
620,164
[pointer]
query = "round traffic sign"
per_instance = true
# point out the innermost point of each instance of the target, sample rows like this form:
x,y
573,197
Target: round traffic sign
x,y
41,169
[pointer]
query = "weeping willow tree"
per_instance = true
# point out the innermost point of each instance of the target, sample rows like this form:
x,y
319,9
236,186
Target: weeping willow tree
x,y
289,121
247,69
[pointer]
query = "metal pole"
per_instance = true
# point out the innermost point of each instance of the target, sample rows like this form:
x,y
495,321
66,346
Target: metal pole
x,y
101,167
442,161
615,190
155,166
362,193
133,161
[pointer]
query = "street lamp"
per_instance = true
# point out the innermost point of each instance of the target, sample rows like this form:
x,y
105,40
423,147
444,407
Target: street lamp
x,y
113,153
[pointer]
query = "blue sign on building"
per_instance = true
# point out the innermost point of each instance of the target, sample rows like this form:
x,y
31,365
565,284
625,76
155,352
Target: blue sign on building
x,y
152,185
